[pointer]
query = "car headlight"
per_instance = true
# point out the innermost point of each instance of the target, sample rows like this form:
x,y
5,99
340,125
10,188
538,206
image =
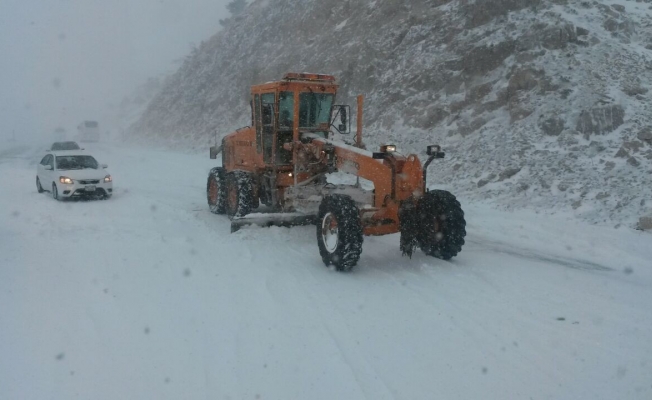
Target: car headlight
x,y
65,180
108,179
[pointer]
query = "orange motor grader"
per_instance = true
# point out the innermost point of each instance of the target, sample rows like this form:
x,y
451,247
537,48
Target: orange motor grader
x,y
282,162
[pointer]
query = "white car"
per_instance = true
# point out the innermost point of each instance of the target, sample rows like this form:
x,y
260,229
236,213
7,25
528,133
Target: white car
x,y
73,174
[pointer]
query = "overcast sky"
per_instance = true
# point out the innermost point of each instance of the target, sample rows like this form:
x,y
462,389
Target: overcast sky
x,y
63,61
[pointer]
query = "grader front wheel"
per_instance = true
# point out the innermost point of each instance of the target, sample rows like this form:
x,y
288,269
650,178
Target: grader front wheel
x,y
339,232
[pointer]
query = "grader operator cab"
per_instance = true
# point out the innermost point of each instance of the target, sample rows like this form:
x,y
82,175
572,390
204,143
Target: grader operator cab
x,y
282,162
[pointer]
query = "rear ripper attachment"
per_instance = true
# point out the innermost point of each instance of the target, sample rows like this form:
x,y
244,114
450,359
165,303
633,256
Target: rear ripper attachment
x,y
274,173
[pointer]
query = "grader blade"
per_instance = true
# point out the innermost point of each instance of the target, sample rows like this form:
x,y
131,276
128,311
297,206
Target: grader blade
x,y
272,219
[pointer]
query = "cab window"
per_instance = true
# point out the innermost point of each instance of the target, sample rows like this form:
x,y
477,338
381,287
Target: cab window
x,y
285,110
258,124
314,109
266,122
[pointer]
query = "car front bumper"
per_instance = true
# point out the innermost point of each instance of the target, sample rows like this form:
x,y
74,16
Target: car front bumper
x,y
78,189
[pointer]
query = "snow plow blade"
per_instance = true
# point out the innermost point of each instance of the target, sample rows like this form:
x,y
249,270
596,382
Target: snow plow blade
x,y
273,219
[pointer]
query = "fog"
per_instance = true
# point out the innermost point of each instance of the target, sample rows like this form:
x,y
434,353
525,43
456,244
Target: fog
x,y
64,61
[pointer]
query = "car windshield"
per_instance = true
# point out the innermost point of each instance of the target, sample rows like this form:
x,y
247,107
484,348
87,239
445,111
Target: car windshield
x,y
76,162
65,146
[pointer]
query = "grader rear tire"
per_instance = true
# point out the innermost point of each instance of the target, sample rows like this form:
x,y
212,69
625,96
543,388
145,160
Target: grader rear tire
x,y
239,194
216,190
443,227
339,232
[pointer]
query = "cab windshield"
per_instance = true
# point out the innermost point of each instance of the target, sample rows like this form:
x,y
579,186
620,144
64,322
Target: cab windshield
x,y
314,110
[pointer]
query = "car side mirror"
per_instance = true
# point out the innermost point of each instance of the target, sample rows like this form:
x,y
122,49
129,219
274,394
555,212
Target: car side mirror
x,y
104,166
48,167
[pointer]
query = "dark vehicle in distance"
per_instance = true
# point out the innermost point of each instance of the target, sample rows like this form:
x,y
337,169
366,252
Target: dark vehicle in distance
x,y
57,146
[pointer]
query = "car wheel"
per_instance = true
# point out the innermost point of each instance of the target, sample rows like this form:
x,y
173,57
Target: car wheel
x,y
39,188
55,192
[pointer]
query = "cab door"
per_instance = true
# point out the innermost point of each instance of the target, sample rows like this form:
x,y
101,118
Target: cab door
x,y
265,117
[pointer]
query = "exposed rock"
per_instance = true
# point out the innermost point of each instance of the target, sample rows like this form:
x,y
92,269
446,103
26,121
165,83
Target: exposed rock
x,y
529,56
483,11
558,37
608,11
633,145
544,184
567,138
523,79
477,93
483,182
600,120
518,113
634,88
622,29
576,204
611,25
645,134
645,223
432,117
633,162
483,59
609,166
602,195
467,129
595,148
508,173
581,31
552,126
622,153
618,7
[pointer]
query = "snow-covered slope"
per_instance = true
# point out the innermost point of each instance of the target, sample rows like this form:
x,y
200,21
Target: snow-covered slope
x,y
148,296
538,102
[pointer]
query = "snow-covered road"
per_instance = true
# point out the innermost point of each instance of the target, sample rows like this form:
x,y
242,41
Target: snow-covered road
x,y
148,296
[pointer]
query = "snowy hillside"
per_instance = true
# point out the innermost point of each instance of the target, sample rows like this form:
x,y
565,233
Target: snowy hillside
x,y
148,296
538,102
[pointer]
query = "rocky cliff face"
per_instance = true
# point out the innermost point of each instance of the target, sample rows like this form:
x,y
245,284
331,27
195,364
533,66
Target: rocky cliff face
x,y
537,102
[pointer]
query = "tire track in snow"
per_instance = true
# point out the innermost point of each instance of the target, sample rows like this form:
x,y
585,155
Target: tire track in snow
x,y
362,368
285,292
569,262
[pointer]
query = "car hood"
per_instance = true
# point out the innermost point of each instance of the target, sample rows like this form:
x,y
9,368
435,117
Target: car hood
x,y
84,173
